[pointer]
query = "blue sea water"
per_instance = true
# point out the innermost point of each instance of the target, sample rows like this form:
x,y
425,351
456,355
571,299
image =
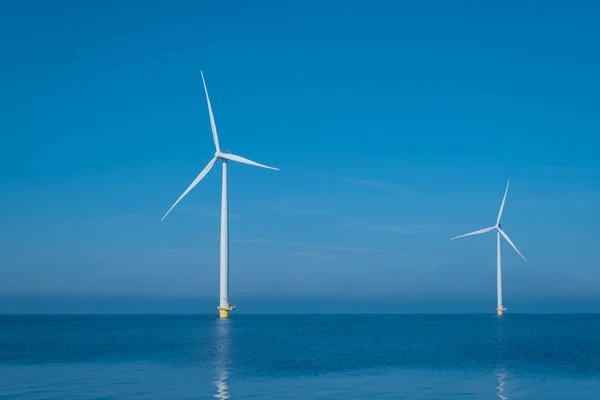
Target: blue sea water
x,y
300,357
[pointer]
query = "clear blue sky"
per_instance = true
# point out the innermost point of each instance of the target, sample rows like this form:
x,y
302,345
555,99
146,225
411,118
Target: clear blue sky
x,y
395,125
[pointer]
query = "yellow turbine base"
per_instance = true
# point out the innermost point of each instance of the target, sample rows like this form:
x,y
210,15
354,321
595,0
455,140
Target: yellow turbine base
x,y
500,311
223,313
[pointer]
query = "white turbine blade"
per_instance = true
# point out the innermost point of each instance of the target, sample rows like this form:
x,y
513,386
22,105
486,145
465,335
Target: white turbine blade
x,y
511,243
243,160
212,118
502,206
198,179
475,233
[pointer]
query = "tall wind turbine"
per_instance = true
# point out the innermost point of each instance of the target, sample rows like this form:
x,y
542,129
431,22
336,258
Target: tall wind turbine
x,y
499,232
224,306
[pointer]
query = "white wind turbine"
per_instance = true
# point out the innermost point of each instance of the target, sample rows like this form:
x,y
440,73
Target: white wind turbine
x,y
499,232
224,306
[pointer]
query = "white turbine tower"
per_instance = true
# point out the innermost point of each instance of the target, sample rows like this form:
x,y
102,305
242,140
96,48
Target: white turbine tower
x,y
499,232
224,306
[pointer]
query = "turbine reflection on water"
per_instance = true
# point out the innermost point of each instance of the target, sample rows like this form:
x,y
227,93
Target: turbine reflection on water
x,y
222,358
500,388
501,343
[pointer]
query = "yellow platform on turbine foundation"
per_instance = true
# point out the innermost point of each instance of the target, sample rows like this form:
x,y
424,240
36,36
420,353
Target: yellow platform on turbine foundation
x,y
224,311
500,310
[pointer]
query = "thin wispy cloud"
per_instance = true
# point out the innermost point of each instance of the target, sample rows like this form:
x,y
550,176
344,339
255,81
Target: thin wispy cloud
x,y
296,205
205,211
112,220
127,216
266,241
322,204
353,248
312,245
372,183
306,249
562,199
307,254
570,171
401,229
324,247
178,251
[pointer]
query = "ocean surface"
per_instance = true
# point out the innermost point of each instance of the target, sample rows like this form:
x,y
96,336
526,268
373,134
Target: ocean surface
x,y
300,357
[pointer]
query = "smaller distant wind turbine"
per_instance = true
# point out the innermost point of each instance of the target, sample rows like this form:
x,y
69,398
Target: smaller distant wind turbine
x,y
499,232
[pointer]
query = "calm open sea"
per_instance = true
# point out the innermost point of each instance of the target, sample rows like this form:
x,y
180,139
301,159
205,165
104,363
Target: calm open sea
x,y
301,357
